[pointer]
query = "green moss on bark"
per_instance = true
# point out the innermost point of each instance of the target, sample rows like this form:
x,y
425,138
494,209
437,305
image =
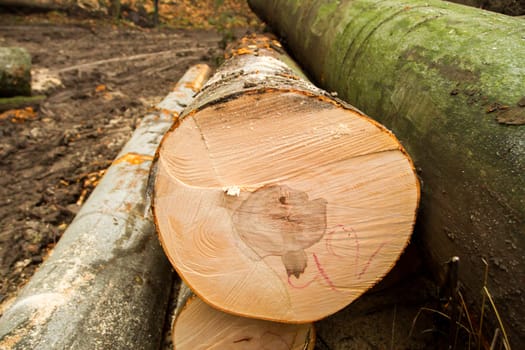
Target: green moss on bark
x,y
442,77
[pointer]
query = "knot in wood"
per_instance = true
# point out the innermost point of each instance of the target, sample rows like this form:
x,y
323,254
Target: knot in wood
x,y
279,220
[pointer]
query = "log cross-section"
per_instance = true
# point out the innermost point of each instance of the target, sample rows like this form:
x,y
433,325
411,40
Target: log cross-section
x,y
197,326
275,201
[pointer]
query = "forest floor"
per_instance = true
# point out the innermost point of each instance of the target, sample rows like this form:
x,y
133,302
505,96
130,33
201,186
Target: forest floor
x,y
52,157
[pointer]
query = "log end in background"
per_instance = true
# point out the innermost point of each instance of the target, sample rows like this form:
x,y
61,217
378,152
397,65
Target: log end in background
x,y
15,72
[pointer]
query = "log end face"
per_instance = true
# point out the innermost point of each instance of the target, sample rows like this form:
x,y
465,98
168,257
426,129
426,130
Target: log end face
x,y
199,326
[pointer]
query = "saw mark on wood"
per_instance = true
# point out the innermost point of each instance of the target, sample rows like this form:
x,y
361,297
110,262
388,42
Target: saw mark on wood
x,y
242,340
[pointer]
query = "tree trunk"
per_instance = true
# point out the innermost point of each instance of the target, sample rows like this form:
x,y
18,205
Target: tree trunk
x,y
15,72
449,81
19,102
272,197
107,282
92,6
198,326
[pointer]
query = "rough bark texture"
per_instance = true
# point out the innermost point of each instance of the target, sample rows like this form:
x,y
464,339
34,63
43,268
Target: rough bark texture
x,y
448,80
271,195
15,72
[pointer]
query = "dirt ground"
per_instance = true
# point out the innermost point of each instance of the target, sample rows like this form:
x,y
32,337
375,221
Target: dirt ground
x,y
52,158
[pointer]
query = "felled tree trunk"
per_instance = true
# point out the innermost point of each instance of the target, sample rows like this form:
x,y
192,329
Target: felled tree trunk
x,y
449,81
65,5
15,72
275,201
107,282
198,326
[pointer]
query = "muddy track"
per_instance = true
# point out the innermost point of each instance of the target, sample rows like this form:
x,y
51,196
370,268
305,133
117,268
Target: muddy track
x,y
51,160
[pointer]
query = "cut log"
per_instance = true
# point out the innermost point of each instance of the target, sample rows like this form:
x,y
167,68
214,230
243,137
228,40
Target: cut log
x,y
19,102
15,72
198,326
92,6
273,200
449,81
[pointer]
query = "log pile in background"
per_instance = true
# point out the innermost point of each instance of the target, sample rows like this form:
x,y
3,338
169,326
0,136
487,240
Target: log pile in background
x,y
15,72
273,200
449,81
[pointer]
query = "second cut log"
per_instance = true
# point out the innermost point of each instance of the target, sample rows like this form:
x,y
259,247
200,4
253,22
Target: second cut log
x,y
198,326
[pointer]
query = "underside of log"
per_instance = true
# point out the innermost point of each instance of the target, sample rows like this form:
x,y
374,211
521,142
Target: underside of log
x,y
449,81
273,200
19,102
198,326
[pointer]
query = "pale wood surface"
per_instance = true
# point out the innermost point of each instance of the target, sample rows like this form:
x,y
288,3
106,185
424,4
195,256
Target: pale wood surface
x,y
279,204
199,327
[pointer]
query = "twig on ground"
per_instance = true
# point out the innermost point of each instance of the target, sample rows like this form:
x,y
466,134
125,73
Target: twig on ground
x,y
120,59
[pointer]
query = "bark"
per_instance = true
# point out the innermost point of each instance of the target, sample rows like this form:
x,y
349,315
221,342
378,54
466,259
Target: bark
x,y
19,102
448,80
270,195
15,72
199,326
107,282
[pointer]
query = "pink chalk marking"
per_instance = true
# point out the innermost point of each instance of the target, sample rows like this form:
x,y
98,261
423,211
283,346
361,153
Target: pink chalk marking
x,y
356,249
329,239
323,273
367,265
